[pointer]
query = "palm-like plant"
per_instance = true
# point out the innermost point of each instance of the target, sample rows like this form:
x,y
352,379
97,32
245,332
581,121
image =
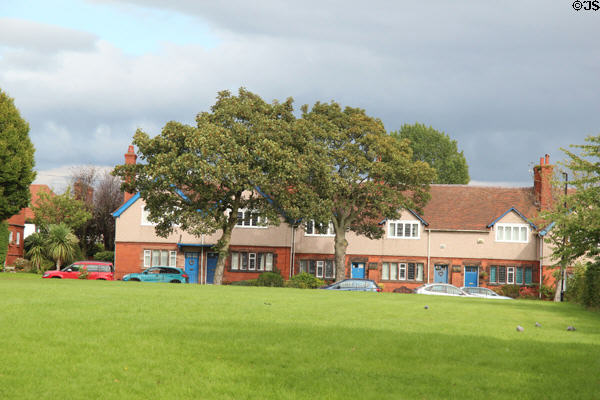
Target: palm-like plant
x,y
61,244
35,245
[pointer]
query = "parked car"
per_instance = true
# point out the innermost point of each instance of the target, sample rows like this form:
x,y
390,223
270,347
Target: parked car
x,y
358,285
159,274
97,270
483,292
440,289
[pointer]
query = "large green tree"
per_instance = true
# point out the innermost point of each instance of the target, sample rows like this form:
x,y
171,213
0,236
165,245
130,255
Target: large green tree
x,y
360,174
199,177
16,159
575,219
61,244
53,209
438,150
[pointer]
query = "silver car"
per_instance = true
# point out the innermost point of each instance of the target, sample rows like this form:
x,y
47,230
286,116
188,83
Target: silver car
x,y
440,289
483,292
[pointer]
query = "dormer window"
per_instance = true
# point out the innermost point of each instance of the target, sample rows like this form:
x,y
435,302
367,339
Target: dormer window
x,y
312,229
404,230
250,219
515,233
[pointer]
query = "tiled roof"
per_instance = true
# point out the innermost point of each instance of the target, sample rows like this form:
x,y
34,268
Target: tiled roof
x,y
35,190
463,207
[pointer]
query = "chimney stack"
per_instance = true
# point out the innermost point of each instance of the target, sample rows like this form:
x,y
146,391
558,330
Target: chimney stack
x,y
542,183
130,159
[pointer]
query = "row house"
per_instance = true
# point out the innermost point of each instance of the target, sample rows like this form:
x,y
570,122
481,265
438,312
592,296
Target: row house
x,y
20,226
466,235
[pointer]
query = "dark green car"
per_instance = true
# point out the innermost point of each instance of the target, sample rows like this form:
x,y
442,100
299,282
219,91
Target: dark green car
x,y
159,274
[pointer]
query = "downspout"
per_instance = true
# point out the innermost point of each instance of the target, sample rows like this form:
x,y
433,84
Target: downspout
x,y
292,250
202,280
541,268
428,254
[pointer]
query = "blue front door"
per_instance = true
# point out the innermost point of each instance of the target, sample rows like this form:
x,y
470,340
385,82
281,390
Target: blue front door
x,y
358,270
211,266
440,274
471,277
191,266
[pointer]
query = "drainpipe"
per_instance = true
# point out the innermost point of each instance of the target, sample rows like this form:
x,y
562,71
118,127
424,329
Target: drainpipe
x,y
202,280
292,249
541,268
428,254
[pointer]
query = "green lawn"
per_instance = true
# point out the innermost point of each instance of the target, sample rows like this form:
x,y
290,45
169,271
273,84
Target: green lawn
x,y
72,339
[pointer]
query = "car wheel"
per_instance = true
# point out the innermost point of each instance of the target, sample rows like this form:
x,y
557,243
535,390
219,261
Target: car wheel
x,y
56,277
175,281
100,279
134,280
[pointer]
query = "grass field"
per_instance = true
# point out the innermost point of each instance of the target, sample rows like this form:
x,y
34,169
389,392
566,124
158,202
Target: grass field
x,y
72,339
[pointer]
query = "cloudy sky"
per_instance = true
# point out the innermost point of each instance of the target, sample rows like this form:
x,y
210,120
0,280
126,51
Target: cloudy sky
x,y
510,81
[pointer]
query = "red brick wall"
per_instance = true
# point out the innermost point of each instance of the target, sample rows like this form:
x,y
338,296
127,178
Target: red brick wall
x,y
16,224
129,257
281,261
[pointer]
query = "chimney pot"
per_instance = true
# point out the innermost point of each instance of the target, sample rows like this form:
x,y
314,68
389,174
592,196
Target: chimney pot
x,y
547,159
541,160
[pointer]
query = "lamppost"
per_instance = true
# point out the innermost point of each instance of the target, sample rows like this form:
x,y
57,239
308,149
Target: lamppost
x,y
563,267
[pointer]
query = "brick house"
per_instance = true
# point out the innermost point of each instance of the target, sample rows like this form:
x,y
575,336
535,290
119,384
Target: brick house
x,y
20,226
466,235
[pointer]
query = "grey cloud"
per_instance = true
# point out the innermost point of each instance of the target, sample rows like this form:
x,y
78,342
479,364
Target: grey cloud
x,y
25,34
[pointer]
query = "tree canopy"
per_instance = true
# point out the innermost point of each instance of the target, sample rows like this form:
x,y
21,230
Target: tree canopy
x,y
360,174
16,159
200,177
438,150
56,209
576,218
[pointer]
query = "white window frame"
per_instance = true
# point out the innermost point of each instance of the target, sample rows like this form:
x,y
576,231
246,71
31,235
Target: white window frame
x,y
252,261
268,257
170,254
172,258
10,237
393,230
18,241
510,275
385,271
147,258
235,261
501,229
261,222
320,266
402,271
330,230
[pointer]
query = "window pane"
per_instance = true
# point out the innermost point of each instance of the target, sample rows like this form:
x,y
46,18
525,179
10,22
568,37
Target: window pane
x,y
415,230
411,271
492,274
254,219
507,233
235,261
385,271
519,275
269,262
402,272
523,237
528,273
252,261
260,262
155,257
247,218
501,274
393,271
500,233
309,227
320,265
172,258
419,272
240,218
312,265
164,257
147,258
303,266
329,269
244,265
510,275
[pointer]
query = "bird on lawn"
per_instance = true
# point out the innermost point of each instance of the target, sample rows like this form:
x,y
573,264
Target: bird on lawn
x,y
538,325
520,328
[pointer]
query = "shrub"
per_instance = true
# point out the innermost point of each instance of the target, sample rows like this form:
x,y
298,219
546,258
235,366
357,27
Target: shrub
x,y
547,292
269,279
510,291
576,285
250,282
105,256
305,281
591,291
3,242
83,273
528,292
24,265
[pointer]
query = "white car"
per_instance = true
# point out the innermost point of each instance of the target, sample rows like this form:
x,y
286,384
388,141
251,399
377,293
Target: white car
x,y
484,292
440,289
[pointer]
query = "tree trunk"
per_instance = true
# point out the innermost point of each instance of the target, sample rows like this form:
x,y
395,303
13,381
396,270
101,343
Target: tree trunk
x,y
223,249
559,285
340,254
58,265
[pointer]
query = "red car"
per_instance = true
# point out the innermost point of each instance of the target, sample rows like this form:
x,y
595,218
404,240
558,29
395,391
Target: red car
x,y
97,270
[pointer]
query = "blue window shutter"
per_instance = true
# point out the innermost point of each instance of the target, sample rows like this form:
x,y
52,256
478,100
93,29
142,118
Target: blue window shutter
x,y
493,274
519,275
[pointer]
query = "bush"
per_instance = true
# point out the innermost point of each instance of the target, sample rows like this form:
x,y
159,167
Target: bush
x,y
24,265
547,292
591,291
272,279
83,273
510,291
576,285
105,256
528,292
3,242
305,281
250,282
